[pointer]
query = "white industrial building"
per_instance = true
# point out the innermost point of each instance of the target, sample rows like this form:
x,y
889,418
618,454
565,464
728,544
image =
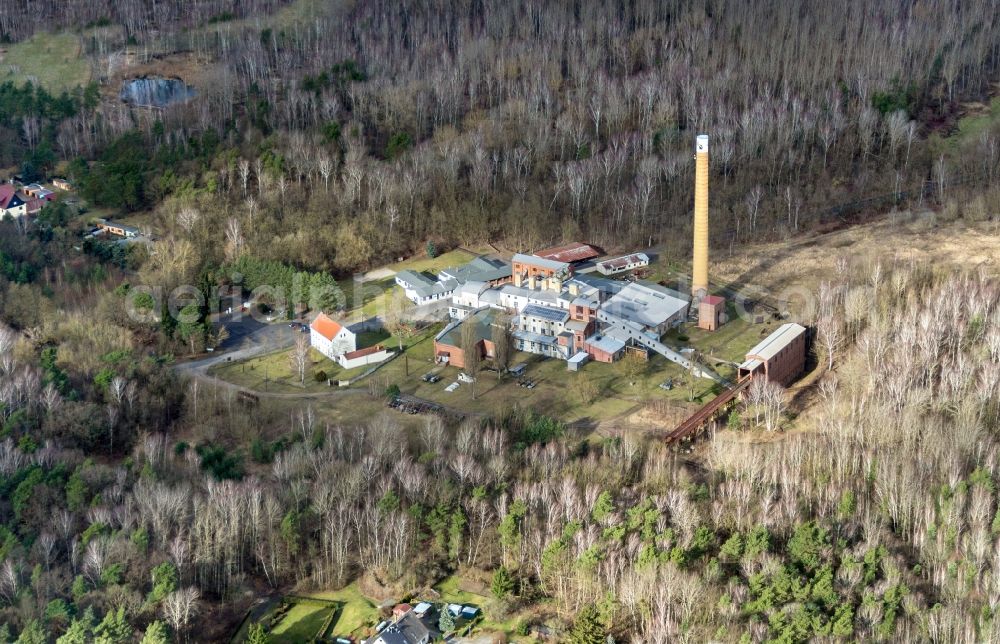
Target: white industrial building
x,y
623,264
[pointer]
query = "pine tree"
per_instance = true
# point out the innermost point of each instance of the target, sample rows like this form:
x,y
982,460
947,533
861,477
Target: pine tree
x,y
447,622
113,629
33,633
80,630
587,628
156,633
257,635
503,583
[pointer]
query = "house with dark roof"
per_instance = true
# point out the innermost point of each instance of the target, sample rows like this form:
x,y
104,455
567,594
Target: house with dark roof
x,y
408,628
480,269
117,229
11,204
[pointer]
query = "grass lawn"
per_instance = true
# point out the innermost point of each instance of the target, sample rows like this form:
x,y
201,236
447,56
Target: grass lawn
x,y
558,392
972,126
301,623
276,368
433,264
357,611
53,60
368,299
453,594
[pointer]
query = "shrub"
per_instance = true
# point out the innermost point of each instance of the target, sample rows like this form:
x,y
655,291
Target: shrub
x,y
320,376
223,466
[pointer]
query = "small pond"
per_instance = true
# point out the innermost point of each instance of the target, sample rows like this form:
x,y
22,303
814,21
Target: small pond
x,y
154,91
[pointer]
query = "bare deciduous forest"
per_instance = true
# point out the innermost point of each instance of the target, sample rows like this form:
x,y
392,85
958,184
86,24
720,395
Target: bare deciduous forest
x,y
327,138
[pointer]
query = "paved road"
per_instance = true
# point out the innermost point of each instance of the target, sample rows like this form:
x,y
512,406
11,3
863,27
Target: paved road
x,y
247,338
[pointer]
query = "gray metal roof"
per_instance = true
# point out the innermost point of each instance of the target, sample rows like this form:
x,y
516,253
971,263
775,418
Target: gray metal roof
x,y
606,343
409,629
471,288
602,284
425,286
528,336
772,344
646,304
479,269
542,295
541,262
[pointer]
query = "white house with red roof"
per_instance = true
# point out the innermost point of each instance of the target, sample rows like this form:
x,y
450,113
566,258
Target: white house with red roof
x,y
11,205
331,338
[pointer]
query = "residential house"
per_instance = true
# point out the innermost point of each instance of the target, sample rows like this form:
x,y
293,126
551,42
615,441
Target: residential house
x,y
331,338
11,204
408,627
117,229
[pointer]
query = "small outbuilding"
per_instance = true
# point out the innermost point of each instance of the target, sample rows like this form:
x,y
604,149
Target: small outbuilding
x,y
578,360
711,312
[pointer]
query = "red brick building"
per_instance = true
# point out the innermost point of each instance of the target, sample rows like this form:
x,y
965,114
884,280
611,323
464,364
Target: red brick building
x,y
527,266
711,312
780,357
448,344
